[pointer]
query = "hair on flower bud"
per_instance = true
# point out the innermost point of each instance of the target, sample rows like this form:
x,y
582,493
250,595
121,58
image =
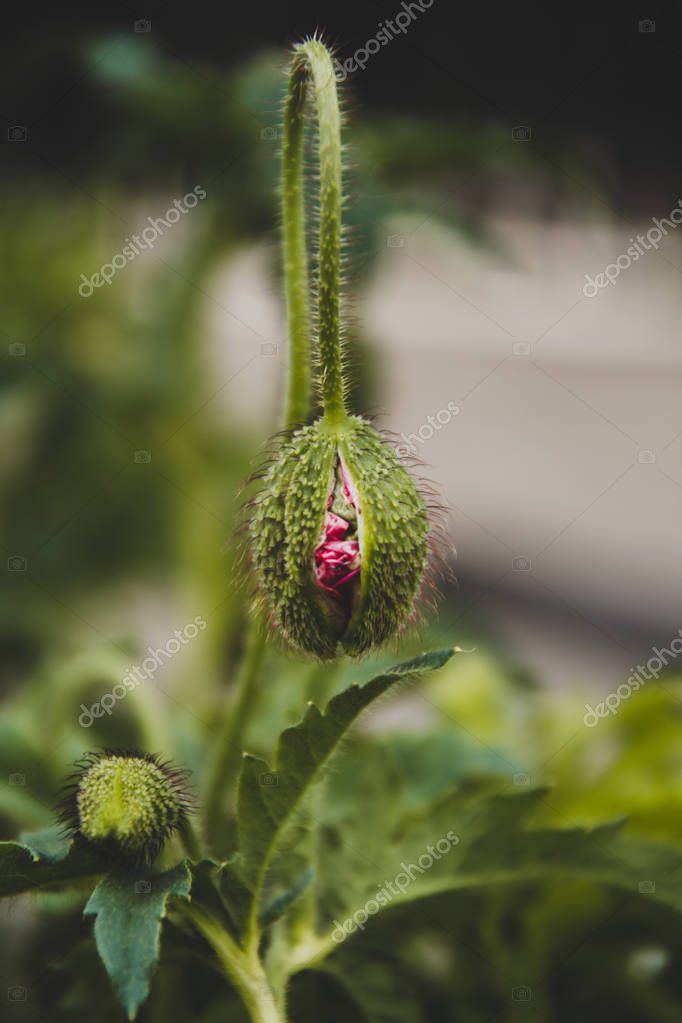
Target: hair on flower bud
x,y
127,803
340,539
340,534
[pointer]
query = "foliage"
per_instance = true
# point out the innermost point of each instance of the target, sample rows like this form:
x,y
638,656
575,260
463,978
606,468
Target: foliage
x,y
310,890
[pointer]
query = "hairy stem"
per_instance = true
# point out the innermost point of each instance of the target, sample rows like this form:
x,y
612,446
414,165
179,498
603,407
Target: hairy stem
x,y
312,68
296,278
244,972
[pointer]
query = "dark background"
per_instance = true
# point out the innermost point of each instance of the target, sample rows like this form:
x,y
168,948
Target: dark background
x,y
587,79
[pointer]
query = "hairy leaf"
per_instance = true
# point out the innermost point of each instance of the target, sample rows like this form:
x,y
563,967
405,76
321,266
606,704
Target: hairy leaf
x,y
128,912
269,796
49,844
476,838
43,860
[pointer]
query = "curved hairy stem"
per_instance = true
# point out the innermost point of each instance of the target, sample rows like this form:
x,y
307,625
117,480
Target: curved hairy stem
x,y
312,70
244,972
296,277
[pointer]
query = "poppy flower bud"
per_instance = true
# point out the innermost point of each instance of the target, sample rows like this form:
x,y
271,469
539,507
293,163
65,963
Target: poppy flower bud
x,y
129,803
340,539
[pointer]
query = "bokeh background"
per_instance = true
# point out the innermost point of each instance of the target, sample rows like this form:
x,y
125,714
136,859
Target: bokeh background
x,y
494,161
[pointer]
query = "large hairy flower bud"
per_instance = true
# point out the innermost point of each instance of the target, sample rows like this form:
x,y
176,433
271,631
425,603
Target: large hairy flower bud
x,y
128,803
339,538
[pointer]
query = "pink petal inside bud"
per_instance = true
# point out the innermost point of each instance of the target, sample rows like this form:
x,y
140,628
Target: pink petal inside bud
x,y
337,559
335,527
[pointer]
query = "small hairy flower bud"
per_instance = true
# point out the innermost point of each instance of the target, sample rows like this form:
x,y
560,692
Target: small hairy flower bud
x,y
339,538
128,802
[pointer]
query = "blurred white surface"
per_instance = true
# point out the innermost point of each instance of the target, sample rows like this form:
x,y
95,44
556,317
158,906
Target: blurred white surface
x,y
566,451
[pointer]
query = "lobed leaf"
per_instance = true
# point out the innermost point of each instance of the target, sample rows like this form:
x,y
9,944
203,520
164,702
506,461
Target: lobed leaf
x,y
269,797
128,911
496,845
44,859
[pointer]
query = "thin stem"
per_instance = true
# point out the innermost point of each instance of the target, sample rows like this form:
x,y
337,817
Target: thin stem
x,y
311,63
191,842
228,744
312,67
296,280
244,972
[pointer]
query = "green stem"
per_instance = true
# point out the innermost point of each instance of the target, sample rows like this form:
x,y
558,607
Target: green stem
x,y
191,842
244,972
228,744
312,64
296,282
312,67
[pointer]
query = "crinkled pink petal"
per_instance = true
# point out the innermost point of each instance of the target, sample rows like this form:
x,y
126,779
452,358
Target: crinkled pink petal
x,y
335,560
335,527
347,578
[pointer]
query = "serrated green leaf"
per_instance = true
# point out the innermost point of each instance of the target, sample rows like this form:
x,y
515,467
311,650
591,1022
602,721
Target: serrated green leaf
x,y
128,911
50,845
495,846
269,797
24,869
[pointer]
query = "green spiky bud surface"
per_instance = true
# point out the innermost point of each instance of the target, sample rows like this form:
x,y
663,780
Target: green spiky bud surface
x,y
288,528
129,802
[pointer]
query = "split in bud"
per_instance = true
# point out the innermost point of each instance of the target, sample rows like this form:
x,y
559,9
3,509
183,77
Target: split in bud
x,y
340,539
129,803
